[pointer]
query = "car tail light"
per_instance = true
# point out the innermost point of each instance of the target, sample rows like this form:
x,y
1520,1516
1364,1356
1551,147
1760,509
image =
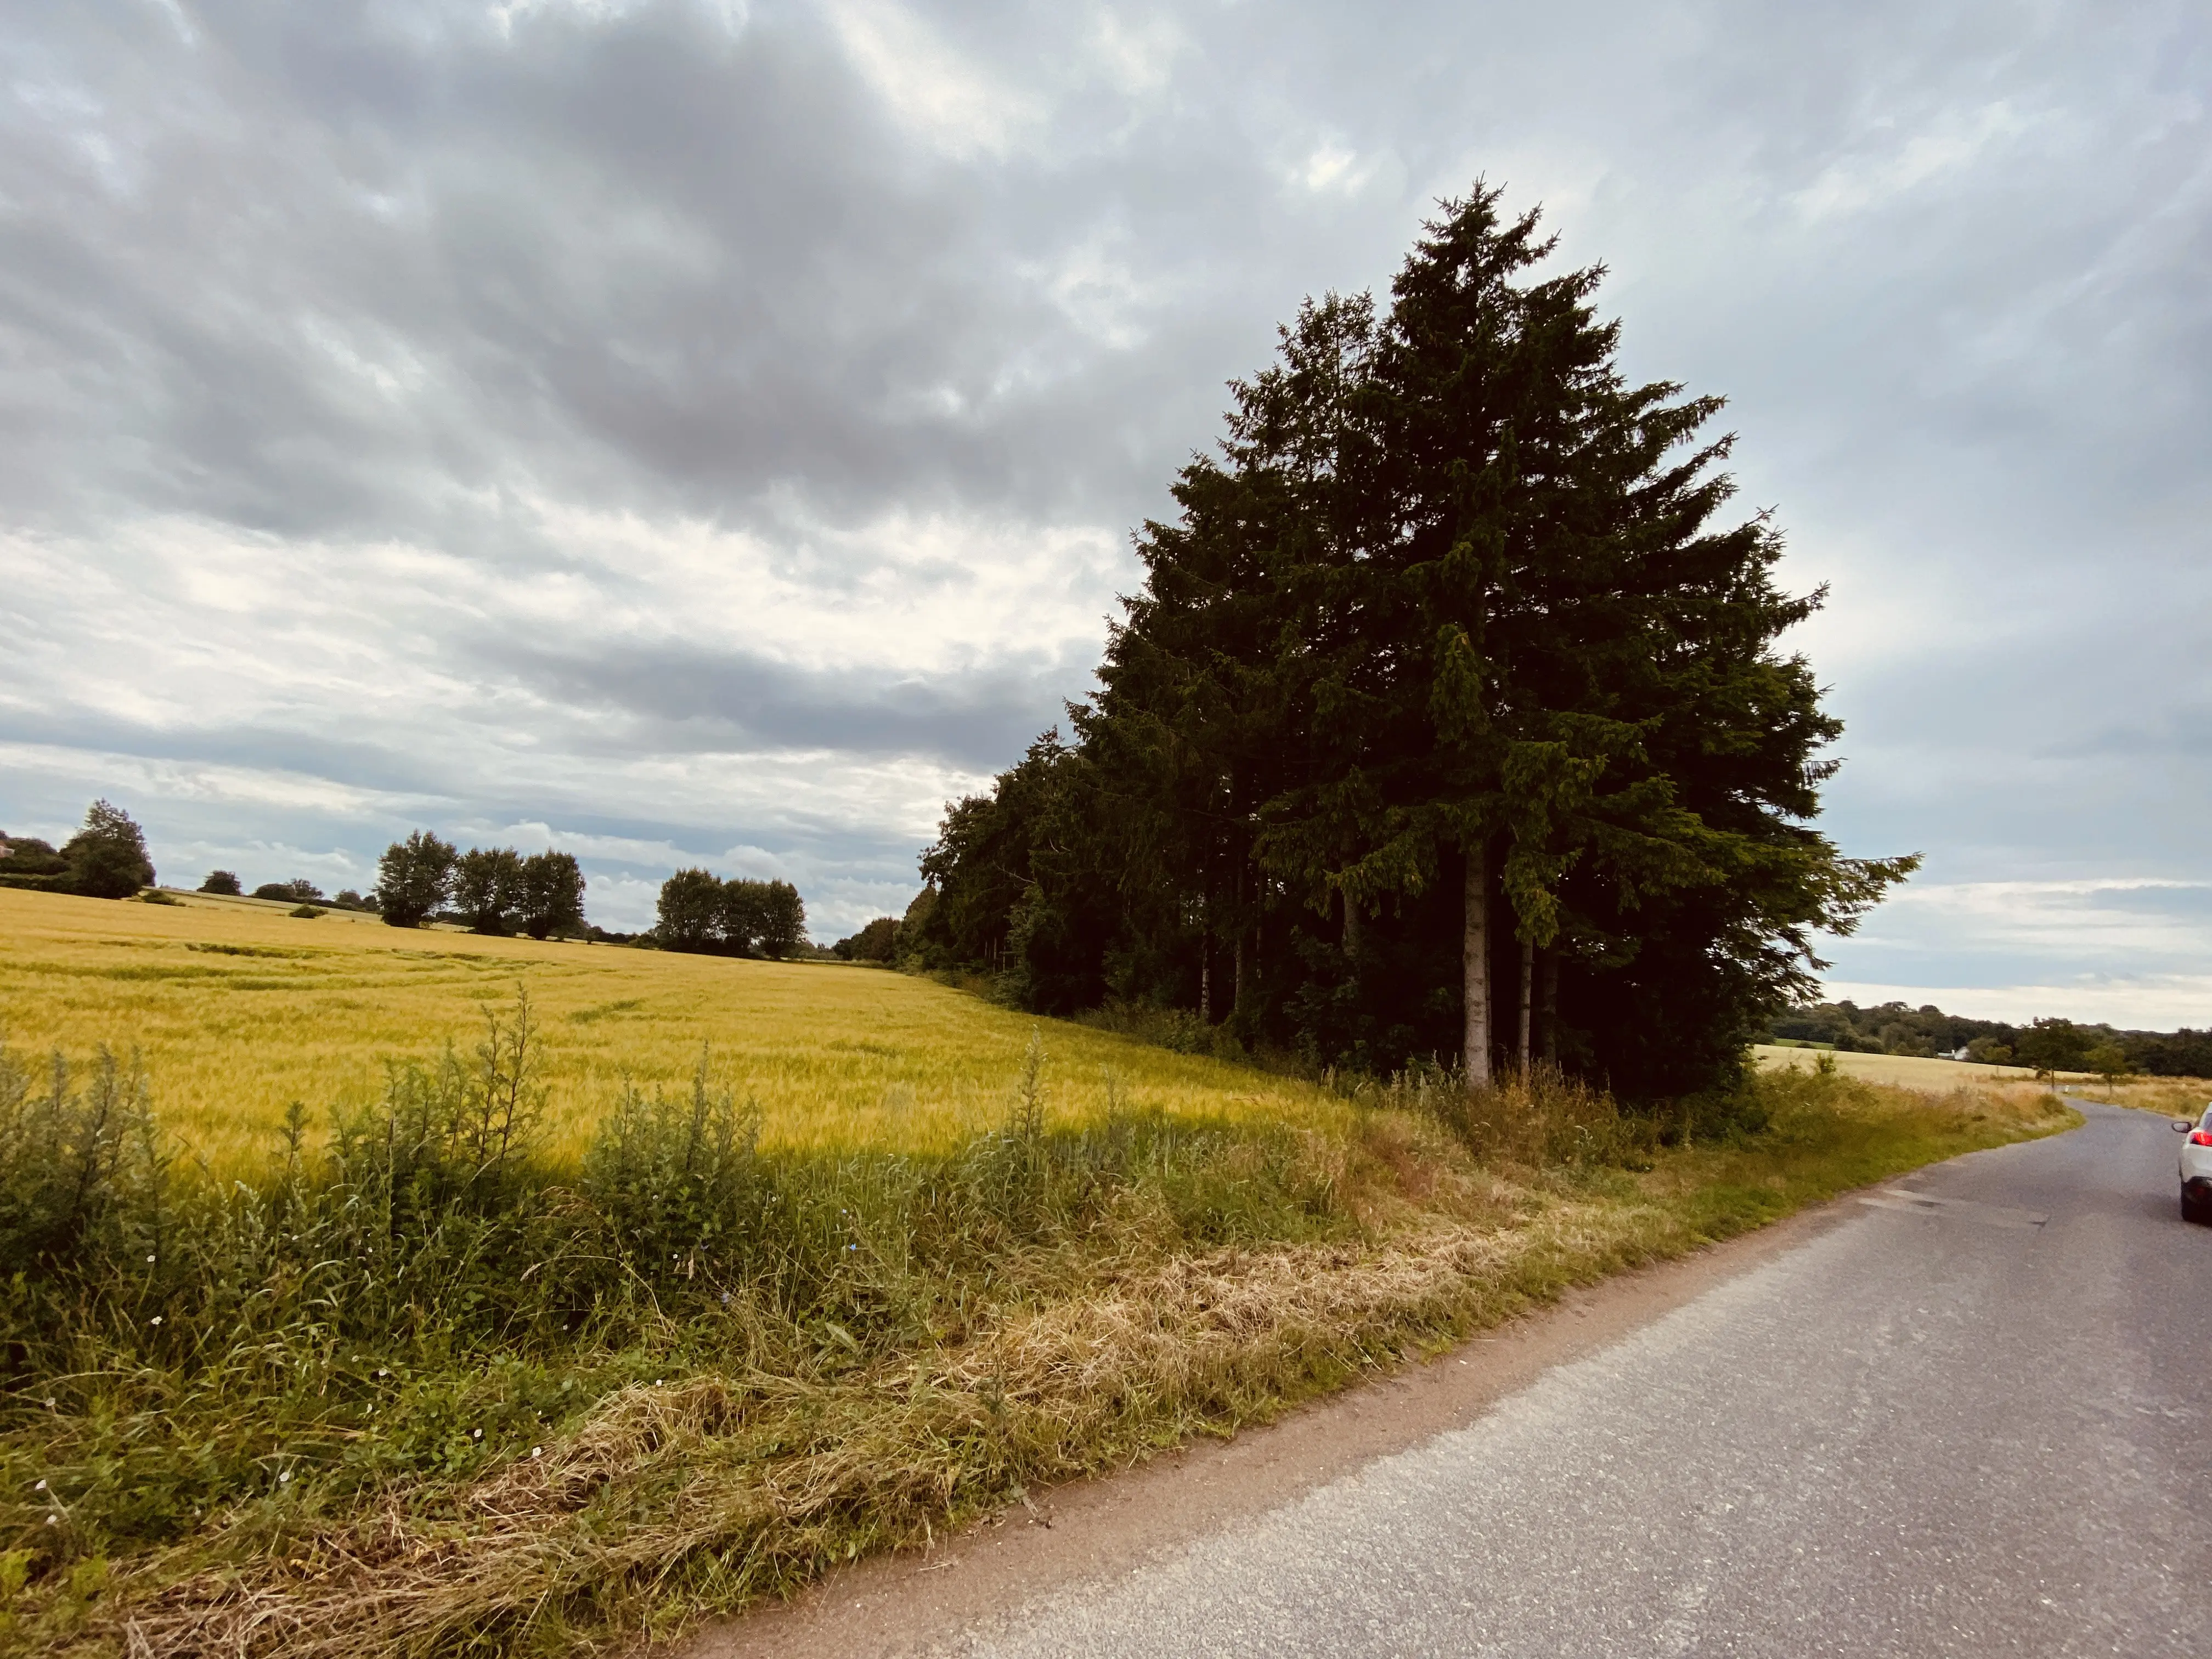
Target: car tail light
x,y
2201,1137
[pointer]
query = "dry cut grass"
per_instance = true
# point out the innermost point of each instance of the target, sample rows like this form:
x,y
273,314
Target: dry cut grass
x,y
2169,1097
242,1010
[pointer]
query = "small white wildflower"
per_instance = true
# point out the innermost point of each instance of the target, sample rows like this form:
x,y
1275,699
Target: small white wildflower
x,y
285,1478
535,1451
49,1404
41,1486
149,1261
53,1520
476,1434
656,1382
157,1319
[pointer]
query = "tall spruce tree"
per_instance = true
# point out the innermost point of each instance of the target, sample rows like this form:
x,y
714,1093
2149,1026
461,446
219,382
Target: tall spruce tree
x,y
1444,700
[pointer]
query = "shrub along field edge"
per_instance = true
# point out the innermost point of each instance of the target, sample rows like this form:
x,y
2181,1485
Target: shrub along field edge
x,y
560,1475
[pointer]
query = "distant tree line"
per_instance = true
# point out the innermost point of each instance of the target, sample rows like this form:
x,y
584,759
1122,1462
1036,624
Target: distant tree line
x,y
2050,1045
876,942
298,890
489,889
106,858
1449,719
702,912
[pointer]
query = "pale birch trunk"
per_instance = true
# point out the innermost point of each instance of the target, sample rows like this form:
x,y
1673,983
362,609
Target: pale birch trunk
x,y
1528,1002
1475,961
1549,1001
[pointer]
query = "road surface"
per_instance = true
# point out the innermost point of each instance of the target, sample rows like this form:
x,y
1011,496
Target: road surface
x,y
1974,1417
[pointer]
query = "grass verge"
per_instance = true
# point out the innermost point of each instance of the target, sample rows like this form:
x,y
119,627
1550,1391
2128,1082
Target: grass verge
x,y
2168,1097
420,1393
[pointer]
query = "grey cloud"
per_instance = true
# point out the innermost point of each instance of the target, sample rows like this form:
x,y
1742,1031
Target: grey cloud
x,y
359,273
693,701
366,763
644,257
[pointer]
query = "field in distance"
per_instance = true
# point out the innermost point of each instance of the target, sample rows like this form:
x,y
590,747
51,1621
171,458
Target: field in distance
x,y
241,1009
1905,1070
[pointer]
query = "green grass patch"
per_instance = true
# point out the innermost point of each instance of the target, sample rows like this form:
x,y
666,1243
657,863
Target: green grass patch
x,y
419,1388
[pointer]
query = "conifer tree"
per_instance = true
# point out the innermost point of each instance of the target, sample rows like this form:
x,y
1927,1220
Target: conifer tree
x,y
1446,695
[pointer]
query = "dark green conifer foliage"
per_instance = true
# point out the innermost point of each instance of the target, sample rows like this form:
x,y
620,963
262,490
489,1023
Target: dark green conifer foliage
x,y
1448,718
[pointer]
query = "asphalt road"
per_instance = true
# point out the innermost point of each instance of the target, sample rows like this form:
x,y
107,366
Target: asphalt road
x,y
1976,1419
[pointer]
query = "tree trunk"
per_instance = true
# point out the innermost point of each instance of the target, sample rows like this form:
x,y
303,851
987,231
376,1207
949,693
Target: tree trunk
x,y
1237,982
1528,1001
1548,1000
1355,929
1475,962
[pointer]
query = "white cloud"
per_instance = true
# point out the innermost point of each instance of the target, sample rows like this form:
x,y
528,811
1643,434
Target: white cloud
x,y
1095,287
2133,949
1137,55
2080,918
90,772
2161,1003
1886,163
400,405
1332,169
957,104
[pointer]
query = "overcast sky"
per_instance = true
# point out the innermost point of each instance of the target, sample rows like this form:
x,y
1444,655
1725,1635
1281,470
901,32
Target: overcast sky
x,y
705,433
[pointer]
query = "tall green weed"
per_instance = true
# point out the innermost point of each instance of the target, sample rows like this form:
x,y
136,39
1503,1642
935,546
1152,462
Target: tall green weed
x,y
424,1290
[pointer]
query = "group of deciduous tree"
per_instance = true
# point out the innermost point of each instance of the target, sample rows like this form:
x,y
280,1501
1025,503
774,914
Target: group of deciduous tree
x,y
495,890
1450,718
878,941
106,858
699,911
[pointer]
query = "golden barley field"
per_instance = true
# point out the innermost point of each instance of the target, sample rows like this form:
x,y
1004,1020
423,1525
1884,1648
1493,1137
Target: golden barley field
x,y
239,1009
1906,1072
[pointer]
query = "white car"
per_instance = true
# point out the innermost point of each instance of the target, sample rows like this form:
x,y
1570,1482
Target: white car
x,y
2197,1168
